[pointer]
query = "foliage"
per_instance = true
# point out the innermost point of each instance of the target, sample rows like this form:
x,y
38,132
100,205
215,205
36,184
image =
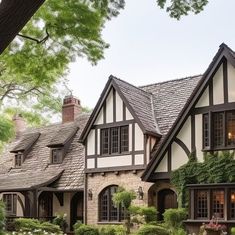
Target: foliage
x,y
148,229
2,217
173,218
77,225
60,220
82,229
209,171
27,225
124,198
233,231
180,231
178,8
148,214
113,230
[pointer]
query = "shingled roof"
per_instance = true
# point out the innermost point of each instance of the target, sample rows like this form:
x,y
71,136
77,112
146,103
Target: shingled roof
x,y
38,159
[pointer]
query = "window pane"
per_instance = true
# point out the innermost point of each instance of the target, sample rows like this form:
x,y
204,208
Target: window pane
x,y
114,140
206,142
218,124
105,141
10,201
231,128
201,204
218,203
232,204
113,208
18,160
124,139
56,156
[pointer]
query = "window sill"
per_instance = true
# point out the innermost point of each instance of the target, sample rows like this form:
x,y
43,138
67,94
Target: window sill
x,y
218,149
114,154
109,222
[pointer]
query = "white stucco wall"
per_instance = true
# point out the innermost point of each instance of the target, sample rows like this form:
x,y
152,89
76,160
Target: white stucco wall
x,y
90,163
91,143
198,136
139,159
109,107
231,83
218,87
113,161
100,117
139,138
128,115
185,133
163,165
204,100
178,156
130,138
119,108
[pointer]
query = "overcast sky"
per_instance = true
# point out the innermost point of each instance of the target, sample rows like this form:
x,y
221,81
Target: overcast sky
x,y
147,46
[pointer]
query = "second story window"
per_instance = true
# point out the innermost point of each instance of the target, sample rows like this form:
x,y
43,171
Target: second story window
x,y
18,160
56,156
115,140
219,130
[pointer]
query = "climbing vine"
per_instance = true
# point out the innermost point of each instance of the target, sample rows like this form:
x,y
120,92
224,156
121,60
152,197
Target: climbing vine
x,y
217,167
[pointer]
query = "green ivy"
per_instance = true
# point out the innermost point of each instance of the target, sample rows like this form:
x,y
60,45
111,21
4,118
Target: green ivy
x,y
217,167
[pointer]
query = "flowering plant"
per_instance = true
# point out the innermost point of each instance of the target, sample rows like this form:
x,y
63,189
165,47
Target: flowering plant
x,y
214,225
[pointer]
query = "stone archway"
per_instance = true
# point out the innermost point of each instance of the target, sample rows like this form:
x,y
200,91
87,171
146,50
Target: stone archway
x,y
166,199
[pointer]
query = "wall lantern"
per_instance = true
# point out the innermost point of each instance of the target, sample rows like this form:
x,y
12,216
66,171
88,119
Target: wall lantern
x,y
90,194
140,193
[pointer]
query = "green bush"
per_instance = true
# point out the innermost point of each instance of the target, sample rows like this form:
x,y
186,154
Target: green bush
x,y
27,225
233,231
112,230
82,229
2,217
60,220
173,218
180,231
143,214
148,229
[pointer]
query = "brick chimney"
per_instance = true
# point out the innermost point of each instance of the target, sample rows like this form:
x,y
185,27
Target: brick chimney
x,y
71,108
19,122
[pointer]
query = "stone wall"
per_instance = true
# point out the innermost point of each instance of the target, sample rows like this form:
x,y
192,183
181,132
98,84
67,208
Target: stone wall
x,y
97,182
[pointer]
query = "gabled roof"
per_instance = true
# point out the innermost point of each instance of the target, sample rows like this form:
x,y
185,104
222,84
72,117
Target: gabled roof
x,y
62,136
138,102
14,14
38,158
26,142
223,52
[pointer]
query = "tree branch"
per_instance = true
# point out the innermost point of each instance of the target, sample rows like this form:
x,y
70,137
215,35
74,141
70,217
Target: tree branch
x,y
34,39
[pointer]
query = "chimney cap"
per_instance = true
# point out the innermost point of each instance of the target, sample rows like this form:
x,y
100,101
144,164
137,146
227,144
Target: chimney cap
x,y
70,99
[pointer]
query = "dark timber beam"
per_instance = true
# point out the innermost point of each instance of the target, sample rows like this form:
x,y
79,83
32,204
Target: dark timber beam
x,y
14,14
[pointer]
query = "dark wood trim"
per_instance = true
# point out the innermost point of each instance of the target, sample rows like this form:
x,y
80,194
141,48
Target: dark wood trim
x,y
225,80
214,108
183,146
211,93
104,112
85,153
133,144
116,124
119,168
114,105
145,148
116,154
85,198
60,197
124,111
160,176
96,139
169,156
193,134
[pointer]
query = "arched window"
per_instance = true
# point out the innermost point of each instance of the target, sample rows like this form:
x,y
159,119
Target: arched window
x,y
107,209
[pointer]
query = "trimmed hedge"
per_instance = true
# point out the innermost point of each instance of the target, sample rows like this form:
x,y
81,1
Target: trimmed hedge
x,y
112,230
149,229
82,229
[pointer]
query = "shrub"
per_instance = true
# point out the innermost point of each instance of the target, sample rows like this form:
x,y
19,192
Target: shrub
x,y
27,225
112,230
2,217
60,220
82,229
148,229
173,218
233,231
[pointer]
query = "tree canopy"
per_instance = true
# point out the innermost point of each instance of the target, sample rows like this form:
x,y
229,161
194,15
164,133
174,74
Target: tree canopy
x,y
33,68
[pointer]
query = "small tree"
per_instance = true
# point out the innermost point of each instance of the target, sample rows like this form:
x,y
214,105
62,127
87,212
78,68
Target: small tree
x,y
124,198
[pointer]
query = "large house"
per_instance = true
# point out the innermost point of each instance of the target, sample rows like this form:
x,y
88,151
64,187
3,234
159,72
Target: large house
x,y
134,138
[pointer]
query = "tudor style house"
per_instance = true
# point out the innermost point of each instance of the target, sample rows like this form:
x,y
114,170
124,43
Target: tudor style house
x,y
42,170
136,136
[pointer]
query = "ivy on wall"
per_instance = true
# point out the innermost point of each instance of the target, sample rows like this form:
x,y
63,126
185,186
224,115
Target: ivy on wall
x,y
217,167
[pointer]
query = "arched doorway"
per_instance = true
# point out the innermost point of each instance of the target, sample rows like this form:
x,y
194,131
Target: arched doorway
x,y
45,203
167,199
76,209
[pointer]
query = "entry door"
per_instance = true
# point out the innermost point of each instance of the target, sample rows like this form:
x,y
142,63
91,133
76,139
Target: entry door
x,y
166,199
45,204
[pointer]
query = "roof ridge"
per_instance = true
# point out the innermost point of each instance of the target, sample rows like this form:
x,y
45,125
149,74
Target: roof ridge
x,y
171,80
138,88
154,117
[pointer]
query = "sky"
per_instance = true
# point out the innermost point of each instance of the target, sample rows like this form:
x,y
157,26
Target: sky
x,y
147,46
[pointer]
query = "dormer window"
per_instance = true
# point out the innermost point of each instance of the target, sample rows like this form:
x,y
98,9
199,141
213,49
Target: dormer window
x,y
115,140
56,156
18,160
